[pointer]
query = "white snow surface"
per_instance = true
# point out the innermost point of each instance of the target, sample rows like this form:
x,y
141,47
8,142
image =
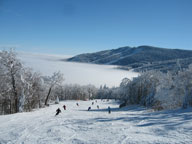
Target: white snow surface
x,y
76,125
76,73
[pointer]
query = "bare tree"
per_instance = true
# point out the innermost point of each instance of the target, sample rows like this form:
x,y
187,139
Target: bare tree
x,y
56,79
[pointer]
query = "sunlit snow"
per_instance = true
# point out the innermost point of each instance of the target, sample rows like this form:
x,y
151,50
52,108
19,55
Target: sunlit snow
x,y
76,125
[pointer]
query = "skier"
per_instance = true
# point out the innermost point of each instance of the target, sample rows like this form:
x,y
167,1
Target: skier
x,y
97,106
77,104
109,109
89,108
58,111
64,106
92,103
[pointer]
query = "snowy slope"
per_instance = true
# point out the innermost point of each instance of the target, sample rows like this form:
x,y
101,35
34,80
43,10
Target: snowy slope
x,y
76,125
76,73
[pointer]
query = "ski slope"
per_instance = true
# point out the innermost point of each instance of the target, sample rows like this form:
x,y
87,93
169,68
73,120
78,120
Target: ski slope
x,y
76,125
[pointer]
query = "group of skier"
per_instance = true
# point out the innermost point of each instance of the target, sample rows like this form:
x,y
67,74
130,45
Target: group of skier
x,y
59,111
109,109
89,108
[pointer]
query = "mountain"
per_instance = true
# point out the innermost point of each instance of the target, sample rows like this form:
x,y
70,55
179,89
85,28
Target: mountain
x,y
135,57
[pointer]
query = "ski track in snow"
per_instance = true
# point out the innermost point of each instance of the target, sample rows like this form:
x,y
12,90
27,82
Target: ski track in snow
x,y
76,125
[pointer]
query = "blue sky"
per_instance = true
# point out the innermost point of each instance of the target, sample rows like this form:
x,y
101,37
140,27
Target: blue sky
x,y
79,26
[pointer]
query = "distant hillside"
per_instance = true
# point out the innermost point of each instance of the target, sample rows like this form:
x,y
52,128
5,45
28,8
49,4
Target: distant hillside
x,y
137,57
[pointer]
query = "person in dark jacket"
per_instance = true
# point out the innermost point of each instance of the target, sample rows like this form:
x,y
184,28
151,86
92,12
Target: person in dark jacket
x,y
64,106
109,109
89,108
97,106
77,104
58,111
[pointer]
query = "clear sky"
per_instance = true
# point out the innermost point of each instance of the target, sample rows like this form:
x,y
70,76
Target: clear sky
x,y
79,26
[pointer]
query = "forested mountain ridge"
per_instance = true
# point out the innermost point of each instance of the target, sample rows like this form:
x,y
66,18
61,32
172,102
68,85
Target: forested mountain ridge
x,y
136,57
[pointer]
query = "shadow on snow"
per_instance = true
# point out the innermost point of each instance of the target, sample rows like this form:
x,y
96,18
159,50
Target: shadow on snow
x,y
167,120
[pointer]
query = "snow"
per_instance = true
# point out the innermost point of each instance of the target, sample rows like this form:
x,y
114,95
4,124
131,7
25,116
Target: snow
x,y
76,125
76,73
122,57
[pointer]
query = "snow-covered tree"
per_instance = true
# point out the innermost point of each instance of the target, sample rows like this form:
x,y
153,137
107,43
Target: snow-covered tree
x,y
20,88
52,81
57,100
12,71
184,86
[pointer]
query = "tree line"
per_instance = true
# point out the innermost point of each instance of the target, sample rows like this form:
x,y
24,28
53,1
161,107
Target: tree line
x,y
22,89
154,89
